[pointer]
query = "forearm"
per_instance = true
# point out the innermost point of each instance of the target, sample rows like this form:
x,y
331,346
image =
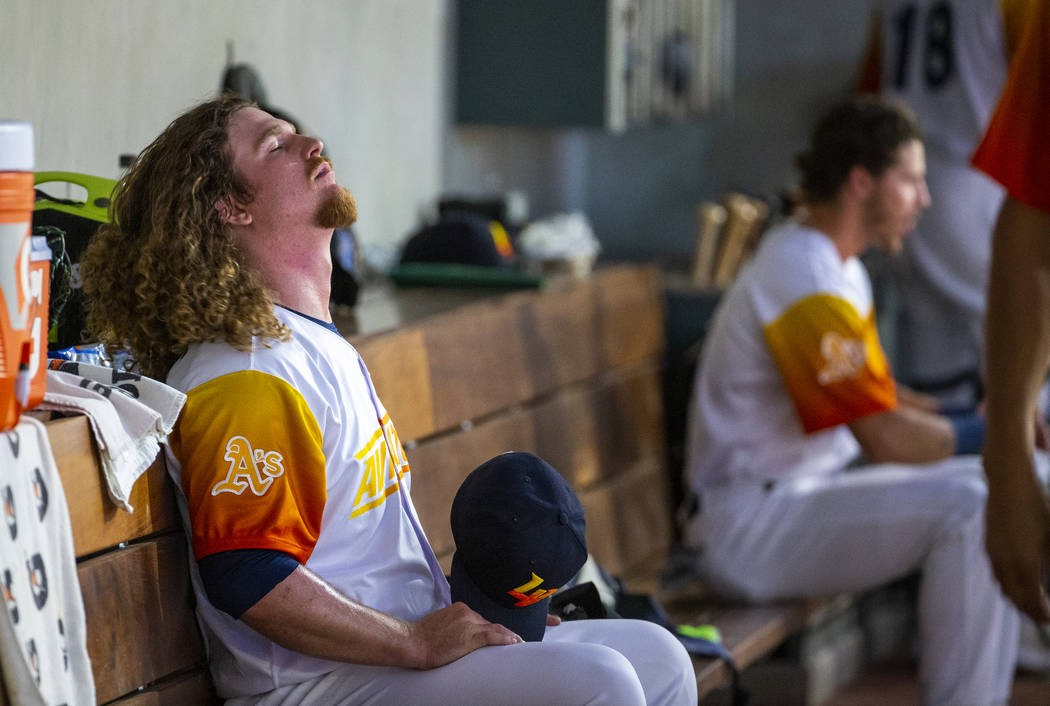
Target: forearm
x,y
904,435
1017,332
907,397
303,613
909,435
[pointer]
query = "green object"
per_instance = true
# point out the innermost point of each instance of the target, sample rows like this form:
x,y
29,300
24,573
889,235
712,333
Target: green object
x,y
447,274
99,190
77,221
704,632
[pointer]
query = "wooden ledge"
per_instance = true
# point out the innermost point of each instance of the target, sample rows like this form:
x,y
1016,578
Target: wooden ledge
x,y
749,632
97,523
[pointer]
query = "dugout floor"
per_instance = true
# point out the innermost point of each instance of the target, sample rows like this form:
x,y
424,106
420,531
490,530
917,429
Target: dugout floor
x,y
889,683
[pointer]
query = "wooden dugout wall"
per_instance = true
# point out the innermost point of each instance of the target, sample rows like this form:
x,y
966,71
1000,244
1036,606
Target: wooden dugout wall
x,y
570,373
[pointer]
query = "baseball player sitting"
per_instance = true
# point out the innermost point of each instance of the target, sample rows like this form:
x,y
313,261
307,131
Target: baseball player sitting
x,y
314,581
793,387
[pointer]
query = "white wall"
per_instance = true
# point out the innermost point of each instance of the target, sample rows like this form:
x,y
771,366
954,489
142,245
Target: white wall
x,y
100,78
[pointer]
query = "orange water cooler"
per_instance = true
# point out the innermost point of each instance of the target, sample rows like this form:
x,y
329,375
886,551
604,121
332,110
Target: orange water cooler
x,y
25,265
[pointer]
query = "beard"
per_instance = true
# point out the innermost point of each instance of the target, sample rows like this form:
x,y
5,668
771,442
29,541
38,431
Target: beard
x,y
887,227
340,211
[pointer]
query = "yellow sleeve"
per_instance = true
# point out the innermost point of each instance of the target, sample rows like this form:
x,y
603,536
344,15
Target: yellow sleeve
x,y
831,362
253,470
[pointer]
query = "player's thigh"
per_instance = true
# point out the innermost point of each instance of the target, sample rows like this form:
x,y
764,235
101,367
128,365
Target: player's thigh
x,y
847,533
662,664
531,672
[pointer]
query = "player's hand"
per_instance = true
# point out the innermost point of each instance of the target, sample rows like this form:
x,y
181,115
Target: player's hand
x,y
447,634
1018,534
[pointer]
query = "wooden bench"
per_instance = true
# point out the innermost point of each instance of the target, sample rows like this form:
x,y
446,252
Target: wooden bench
x,y
571,373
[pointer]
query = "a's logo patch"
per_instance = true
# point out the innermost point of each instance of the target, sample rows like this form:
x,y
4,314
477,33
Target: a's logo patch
x,y
250,468
844,358
525,598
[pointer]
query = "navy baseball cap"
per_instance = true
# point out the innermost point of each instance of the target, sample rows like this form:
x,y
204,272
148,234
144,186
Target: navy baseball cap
x,y
462,238
519,532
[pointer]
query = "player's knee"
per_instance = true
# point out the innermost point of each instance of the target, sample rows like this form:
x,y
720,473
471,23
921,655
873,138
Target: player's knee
x,y
660,641
970,493
609,674
754,591
964,499
668,669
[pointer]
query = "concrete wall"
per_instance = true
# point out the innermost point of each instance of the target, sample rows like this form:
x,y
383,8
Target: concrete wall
x,y
102,78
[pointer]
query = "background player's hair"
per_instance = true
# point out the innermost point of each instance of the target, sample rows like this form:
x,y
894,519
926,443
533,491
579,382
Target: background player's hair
x,y
164,273
865,131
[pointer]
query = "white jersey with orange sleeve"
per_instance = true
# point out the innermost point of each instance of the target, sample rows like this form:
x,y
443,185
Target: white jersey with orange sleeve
x,y
287,447
792,358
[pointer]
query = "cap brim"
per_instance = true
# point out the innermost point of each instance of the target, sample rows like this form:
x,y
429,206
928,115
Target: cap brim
x,y
529,622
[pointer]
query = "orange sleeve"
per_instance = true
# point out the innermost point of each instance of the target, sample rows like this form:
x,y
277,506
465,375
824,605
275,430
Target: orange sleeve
x,y
831,362
1015,150
253,470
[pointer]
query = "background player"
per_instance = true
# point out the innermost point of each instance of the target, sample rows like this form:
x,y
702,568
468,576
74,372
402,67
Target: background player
x,y
793,385
947,59
314,581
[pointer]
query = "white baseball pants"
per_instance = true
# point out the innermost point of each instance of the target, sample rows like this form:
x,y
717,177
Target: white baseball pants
x,y
862,528
578,662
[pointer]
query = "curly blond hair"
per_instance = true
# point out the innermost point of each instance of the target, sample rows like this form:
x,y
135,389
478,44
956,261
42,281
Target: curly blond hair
x,y
164,272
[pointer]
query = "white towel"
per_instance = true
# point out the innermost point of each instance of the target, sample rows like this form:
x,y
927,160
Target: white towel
x,y
165,400
130,417
43,644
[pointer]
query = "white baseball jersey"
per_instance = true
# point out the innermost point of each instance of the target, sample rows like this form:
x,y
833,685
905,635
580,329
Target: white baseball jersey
x,y
793,357
948,60
288,447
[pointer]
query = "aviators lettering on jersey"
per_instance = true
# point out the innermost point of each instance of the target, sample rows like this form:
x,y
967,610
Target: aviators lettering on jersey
x,y
385,464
